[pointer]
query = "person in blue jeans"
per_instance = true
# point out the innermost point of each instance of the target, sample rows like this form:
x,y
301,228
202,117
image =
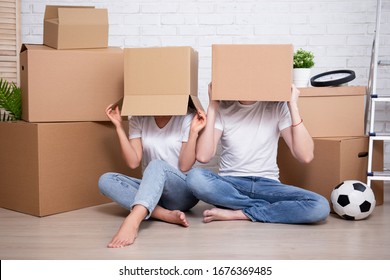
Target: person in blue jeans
x,y
165,146
247,186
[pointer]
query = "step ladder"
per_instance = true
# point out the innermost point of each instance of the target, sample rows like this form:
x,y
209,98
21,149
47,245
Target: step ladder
x,y
372,99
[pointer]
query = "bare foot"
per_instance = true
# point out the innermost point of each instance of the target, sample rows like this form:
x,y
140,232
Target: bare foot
x,y
218,214
170,216
125,236
128,231
177,217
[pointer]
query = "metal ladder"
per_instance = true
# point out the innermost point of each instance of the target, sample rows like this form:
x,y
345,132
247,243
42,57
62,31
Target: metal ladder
x,y
372,98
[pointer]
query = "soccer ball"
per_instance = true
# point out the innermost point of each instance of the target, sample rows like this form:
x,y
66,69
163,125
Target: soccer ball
x,y
353,200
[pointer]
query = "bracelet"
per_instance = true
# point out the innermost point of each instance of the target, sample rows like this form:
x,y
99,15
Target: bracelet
x,y
294,125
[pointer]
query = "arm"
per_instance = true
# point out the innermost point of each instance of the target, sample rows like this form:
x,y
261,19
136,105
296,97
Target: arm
x,y
296,136
208,139
131,150
187,156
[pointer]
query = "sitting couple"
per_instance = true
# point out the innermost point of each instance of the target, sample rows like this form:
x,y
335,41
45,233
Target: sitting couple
x,y
247,185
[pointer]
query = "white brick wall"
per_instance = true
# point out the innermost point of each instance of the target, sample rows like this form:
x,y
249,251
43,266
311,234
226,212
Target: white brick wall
x,y
339,32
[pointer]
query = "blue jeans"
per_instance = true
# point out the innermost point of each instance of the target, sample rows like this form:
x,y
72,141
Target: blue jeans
x,y
161,184
260,199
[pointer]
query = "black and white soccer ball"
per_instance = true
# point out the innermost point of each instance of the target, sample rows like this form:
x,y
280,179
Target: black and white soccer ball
x,y
353,200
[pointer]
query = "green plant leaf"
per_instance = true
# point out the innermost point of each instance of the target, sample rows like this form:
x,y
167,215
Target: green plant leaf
x,y
11,99
303,59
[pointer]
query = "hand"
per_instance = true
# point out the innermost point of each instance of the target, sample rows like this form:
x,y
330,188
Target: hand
x,y
198,122
294,96
114,115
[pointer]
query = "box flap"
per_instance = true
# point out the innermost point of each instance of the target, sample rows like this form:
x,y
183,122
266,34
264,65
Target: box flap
x,y
333,91
196,103
161,71
252,72
154,105
33,47
51,11
28,47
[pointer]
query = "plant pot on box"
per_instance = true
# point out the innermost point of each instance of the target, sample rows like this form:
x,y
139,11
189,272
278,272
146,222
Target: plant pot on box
x,y
303,62
301,76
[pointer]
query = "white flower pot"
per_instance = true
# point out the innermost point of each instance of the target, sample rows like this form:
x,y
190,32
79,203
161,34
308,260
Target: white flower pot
x,y
301,77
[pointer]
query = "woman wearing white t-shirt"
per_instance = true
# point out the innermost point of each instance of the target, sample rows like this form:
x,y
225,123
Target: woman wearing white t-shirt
x,y
247,186
165,146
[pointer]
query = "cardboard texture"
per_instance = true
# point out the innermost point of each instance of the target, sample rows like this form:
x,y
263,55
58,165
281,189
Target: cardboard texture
x,y
49,168
333,111
160,81
335,160
252,72
75,27
69,85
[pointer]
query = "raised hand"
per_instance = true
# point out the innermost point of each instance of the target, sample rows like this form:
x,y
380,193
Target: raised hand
x,y
198,122
114,115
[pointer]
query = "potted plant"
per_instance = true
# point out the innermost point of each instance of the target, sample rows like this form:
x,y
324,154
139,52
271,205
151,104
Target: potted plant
x,y
303,62
10,101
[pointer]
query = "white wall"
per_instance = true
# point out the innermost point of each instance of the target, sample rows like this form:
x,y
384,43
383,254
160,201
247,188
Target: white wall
x,y
339,32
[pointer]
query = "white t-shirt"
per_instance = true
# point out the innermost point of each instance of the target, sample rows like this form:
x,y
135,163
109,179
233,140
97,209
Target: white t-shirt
x,y
160,143
250,135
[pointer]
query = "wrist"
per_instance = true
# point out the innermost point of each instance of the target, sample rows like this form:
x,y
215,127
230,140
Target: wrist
x,y
194,134
118,126
297,123
293,106
212,109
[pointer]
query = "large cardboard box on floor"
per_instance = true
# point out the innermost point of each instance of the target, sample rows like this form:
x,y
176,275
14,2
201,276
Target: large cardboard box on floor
x,y
69,85
333,111
48,168
160,81
75,27
252,72
335,160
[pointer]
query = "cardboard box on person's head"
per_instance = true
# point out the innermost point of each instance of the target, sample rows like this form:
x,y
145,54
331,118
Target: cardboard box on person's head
x,y
75,27
160,81
252,72
69,85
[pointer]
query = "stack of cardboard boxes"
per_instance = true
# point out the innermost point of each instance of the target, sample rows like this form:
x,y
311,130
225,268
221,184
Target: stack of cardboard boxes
x,y
52,160
334,116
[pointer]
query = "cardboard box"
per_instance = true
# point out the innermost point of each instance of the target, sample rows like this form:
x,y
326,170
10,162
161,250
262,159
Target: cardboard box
x,y
75,27
160,81
252,72
333,111
48,168
69,85
335,160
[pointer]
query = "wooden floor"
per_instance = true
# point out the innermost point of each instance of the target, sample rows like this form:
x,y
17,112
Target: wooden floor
x,y
83,234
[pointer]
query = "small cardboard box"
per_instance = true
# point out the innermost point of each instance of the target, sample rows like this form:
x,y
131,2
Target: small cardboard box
x,y
75,27
160,81
335,160
48,168
333,111
69,85
252,72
